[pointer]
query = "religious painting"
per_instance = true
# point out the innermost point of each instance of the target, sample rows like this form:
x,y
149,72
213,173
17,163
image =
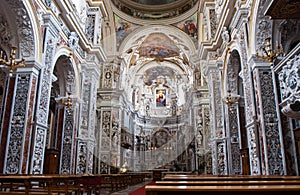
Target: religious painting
x,y
123,28
158,45
160,97
189,26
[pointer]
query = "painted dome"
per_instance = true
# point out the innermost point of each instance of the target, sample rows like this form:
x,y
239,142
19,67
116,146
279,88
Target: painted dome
x,y
154,2
154,9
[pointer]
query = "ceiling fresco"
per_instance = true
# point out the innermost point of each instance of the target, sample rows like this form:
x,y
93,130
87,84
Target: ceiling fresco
x,y
189,26
152,75
123,28
154,9
154,2
158,45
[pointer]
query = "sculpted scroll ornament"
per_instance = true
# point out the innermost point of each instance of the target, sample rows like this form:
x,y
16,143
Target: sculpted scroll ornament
x,y
263,31
289,80
90,27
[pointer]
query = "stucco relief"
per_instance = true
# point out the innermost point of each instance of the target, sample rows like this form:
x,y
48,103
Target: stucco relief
x,y
289,79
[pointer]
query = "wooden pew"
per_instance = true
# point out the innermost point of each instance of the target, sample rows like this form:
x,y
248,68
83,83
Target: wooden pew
x,y
226,178
67,184
39,184
114,182
225,185
222,190
232,183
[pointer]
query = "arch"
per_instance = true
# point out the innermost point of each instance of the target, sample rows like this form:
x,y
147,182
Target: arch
x,y
261,28
66,54
25,36
254,20
234,46
62,121
287,34
36,21
235,110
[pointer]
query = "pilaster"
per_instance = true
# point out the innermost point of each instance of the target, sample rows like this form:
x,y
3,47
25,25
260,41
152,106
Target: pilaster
x,y
109,114
18,120
218,139
269,131
51,28
86,133
68,125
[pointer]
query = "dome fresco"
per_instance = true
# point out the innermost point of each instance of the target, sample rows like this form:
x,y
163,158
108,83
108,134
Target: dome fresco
x,y
154,9
154,2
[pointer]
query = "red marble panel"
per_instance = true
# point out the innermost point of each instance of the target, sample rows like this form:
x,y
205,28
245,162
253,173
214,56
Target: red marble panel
x,y
28,133
6,121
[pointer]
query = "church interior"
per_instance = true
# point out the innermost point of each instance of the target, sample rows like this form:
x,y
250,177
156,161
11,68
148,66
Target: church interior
x,y
104,87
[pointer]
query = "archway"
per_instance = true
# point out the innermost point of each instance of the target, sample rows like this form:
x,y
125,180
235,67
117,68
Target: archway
x,y
237,144
62,131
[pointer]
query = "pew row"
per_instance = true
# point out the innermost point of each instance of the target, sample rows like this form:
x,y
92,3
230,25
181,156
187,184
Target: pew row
x,y
67,184
232,183
222,190
225,185
226,177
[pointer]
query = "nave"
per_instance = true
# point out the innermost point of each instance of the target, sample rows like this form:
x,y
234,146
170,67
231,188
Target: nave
x,y
108,94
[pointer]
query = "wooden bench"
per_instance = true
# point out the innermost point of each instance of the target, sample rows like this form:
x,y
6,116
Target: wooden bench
x,y
223,190
39,184
67,184
224,185
22,193
226,178
116,182
232,183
